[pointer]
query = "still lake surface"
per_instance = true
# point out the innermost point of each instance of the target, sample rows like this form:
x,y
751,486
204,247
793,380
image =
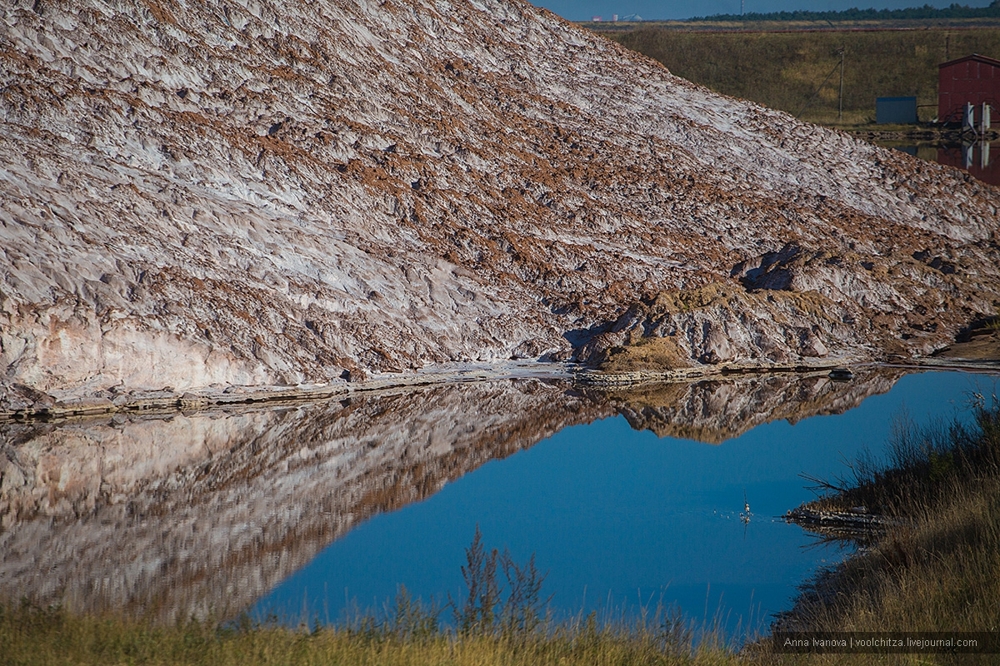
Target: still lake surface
x,y
622,519
628,499
980,158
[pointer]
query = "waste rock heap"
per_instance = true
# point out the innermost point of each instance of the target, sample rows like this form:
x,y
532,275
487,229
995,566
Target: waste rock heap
x,y
252,192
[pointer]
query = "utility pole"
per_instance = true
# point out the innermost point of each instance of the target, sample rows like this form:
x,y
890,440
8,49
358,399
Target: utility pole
x,y
742,7
840,109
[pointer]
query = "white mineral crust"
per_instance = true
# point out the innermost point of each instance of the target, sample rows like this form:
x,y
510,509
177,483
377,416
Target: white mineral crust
x,y
262,193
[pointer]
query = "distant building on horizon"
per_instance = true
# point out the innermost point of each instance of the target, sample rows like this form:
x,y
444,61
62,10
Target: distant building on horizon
x,y
974,79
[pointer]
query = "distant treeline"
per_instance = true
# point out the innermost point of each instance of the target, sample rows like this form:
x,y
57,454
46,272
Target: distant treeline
x,y
954,11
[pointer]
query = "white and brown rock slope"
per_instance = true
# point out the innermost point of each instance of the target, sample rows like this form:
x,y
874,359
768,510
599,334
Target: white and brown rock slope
x,y
254,192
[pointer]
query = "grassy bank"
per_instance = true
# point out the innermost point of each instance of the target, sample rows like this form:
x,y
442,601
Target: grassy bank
x,y
785,69
501,620
30,636
939,568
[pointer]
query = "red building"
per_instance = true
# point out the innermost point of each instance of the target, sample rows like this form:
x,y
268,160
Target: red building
x,y
974,79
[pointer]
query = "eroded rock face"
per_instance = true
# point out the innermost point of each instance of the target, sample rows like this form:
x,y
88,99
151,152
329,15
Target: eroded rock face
x,y
200,514
256,192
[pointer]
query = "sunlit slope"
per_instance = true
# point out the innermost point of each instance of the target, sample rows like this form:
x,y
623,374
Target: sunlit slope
x,y
261,193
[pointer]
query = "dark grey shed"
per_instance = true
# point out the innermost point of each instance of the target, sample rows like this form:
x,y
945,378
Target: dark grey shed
x,y
896,110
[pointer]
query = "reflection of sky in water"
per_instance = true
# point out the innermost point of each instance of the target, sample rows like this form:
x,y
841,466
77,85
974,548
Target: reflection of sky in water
x,y
619,516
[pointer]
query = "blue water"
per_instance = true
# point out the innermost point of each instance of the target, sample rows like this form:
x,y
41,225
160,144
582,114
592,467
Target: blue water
x,y
622,520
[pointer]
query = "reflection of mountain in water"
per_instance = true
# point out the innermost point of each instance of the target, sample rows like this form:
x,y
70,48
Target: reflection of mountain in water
x,y
716,410
201,514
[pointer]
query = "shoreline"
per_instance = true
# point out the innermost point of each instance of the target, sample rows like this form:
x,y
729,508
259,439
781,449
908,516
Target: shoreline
x,y
926,531
926,562
147,401
47,408
921,134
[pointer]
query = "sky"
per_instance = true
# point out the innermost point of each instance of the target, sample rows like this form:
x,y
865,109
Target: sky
x,y
582,10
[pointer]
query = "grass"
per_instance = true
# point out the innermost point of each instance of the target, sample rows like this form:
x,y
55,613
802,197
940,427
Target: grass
x,y
784,70
925,469
30,635
938,571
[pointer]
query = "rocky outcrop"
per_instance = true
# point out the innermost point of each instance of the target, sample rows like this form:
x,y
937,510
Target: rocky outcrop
x,y
198,514
263,193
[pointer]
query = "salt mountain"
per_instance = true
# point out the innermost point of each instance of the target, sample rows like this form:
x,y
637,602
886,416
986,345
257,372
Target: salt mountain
x,y
254,192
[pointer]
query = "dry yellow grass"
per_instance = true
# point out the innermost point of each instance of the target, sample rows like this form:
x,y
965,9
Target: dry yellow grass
x,y
784,69
31,636
937,572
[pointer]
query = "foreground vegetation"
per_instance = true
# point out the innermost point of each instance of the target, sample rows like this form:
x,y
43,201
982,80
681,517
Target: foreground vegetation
x,y
937,570
798,72
500,621
34,636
